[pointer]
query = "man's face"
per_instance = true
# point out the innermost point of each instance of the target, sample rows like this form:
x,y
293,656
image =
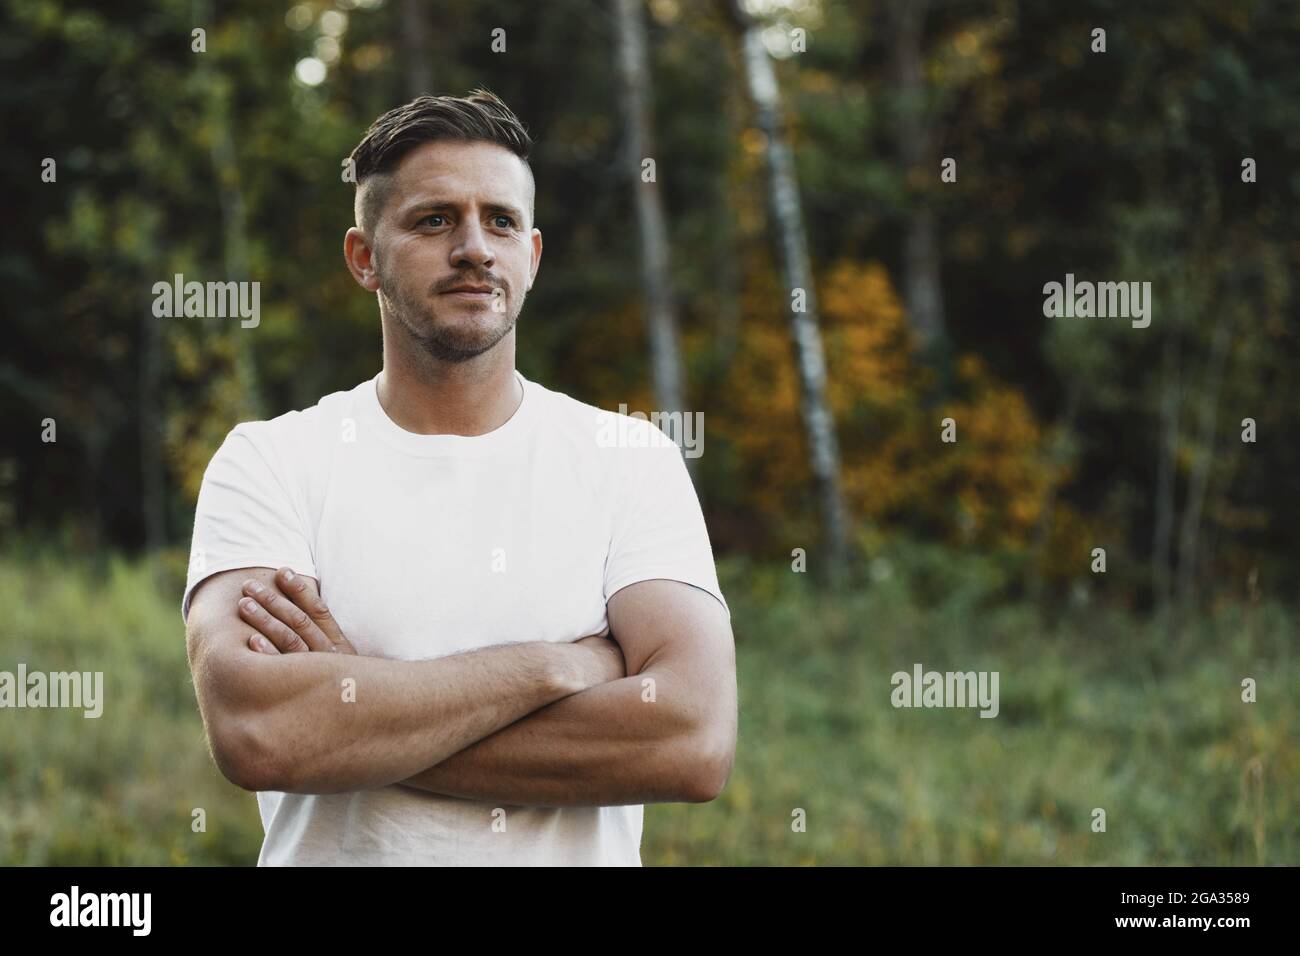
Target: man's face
x,y
453,251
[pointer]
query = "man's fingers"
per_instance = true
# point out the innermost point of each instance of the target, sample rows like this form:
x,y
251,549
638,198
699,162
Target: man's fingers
x,y
289,614
260,644
276,631
278,634
302,591
292,615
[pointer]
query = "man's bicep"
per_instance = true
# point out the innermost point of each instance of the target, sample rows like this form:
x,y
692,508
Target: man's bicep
x,y
212,624
669,620
214,631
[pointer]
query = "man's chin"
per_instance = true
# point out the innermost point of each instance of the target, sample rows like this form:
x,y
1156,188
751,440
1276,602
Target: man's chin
x,y
449,346
457,336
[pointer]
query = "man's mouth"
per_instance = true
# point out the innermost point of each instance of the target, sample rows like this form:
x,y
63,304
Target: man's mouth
x,y
474,291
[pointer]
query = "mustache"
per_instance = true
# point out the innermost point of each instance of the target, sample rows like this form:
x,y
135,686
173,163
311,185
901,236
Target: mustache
x,y
468,278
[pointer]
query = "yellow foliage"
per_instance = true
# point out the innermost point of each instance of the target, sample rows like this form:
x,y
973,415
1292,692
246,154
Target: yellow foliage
x,y
987,487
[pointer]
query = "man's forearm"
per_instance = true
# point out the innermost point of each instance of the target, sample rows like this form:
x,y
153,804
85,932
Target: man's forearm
x,y
605,746
324,723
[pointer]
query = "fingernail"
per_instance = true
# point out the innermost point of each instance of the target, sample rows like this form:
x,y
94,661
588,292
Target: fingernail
x,y
288,575
255,587
248,604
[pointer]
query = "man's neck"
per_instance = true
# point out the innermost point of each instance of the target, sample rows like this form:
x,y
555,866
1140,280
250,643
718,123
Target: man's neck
x,y
427,396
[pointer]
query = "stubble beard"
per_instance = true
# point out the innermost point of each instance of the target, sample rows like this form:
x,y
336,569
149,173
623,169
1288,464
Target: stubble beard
x,y
441,340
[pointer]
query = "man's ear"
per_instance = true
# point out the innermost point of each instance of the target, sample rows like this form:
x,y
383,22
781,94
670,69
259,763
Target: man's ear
x,y
537,257
360,259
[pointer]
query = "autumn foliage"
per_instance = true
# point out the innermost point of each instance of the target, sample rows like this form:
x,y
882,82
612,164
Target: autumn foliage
x,y
988,487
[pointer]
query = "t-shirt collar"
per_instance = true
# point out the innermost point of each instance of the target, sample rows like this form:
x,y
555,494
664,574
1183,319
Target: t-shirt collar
x,y
501,439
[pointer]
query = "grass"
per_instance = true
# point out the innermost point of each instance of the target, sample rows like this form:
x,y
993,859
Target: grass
x,y
121,789
1098,710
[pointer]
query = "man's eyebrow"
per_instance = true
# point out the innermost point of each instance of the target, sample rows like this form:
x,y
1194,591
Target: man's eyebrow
x,y
438,205
506,208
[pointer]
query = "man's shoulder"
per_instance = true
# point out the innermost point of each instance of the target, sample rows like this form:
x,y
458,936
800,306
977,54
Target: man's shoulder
x,y
598,428
300,429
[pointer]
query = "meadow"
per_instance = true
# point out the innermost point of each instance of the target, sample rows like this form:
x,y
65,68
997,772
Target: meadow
x,y
1100,708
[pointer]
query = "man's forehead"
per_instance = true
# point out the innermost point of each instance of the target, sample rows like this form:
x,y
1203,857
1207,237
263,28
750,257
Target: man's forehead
x,y
453,171
447,163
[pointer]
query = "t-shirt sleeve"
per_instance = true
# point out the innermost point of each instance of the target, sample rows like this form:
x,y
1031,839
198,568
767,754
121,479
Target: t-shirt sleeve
x,y
245,517
658,527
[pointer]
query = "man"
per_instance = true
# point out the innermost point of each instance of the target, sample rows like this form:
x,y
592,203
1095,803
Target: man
x,y
433,619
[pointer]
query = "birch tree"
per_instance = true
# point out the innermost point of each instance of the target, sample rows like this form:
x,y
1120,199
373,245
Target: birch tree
x,y
786,222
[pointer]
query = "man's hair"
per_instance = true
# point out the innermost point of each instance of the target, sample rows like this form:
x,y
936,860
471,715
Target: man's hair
x,y
478,117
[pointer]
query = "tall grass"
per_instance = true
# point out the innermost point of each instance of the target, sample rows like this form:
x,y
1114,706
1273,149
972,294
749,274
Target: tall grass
x,y
120,789
1098,710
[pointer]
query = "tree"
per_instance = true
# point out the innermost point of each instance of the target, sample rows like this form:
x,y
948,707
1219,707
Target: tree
x,y
915,134
660,314
417,53
792,251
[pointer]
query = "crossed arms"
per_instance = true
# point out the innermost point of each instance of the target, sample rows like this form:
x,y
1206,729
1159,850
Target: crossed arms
x,y
647,716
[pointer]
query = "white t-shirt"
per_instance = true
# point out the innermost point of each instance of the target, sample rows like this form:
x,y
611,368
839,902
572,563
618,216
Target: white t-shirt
x,y
428,545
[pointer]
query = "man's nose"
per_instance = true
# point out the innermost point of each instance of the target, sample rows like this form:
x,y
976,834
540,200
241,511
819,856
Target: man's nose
x,y
471,247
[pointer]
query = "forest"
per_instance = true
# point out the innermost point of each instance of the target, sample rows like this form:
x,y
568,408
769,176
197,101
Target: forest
x,y
979,314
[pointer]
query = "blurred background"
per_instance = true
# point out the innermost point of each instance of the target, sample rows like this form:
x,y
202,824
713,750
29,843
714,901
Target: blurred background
x,y
842,241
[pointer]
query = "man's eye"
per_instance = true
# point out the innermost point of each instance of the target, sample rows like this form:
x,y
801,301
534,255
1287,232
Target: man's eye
x,y
503,222
433,216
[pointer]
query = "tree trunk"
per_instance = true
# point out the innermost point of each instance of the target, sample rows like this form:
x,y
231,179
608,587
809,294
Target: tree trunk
x,y
1167,446
234,229
660,315
1058,455
923,291
1199,478
792,251
417,53
153,482
725,321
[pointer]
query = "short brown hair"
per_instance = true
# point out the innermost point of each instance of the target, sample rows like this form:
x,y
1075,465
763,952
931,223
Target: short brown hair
x,y
479,117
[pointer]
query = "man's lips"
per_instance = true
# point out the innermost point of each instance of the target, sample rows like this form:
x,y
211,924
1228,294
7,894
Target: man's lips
x,y
469,290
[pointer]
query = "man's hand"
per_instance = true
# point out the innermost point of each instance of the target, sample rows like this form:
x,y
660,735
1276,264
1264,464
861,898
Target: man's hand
x,y
605,658
290,617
